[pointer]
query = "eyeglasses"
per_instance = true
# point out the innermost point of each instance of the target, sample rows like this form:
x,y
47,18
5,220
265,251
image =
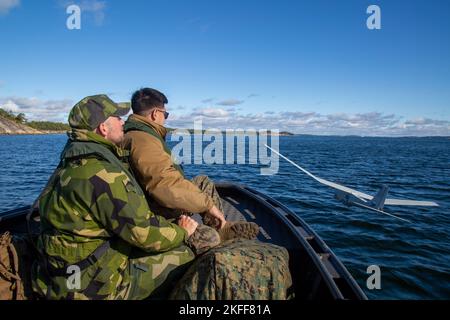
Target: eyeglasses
x,y
166,114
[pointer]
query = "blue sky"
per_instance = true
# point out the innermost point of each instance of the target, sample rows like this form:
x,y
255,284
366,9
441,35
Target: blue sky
x,y
302,66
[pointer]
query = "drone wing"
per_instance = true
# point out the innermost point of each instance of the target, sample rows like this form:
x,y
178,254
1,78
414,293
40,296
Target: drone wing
x,y
398,202
379,211
356,193
325,182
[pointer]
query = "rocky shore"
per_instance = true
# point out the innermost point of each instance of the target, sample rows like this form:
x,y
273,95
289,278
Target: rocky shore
x,y
9,127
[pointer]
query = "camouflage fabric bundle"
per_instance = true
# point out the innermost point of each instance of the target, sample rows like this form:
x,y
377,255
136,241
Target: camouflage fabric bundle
x,y
15,262
237,270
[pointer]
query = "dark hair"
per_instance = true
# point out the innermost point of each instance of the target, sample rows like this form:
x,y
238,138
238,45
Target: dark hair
x,y
146,99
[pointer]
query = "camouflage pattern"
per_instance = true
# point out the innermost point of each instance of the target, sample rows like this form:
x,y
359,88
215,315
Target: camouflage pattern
x,y
91,111
237,270
203,239
154,276
239,229
92,198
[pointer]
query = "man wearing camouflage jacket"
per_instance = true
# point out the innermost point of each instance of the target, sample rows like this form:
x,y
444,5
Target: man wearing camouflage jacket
x,y
99,239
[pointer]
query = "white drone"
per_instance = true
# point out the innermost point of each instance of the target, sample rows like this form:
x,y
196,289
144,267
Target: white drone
x,y
351,197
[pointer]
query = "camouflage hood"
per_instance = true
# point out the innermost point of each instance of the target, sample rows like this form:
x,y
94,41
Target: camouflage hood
x,y
84,142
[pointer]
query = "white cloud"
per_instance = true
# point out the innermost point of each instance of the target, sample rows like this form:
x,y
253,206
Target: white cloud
x,y
37,109
7,5
364,124
210,113
10,106
425,121
230,102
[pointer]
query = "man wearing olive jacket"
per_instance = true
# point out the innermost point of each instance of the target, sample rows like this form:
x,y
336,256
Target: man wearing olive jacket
x,y
170,194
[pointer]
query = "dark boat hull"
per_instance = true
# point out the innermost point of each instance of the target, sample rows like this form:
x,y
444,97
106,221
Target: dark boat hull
x,y
316,272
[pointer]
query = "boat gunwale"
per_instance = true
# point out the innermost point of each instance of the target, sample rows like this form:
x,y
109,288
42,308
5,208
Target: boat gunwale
x,y
313,254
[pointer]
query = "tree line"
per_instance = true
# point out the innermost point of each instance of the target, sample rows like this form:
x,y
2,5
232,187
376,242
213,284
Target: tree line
x,y
38,125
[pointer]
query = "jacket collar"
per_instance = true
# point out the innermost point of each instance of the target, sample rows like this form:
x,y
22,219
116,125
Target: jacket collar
x,y
89,142
162,131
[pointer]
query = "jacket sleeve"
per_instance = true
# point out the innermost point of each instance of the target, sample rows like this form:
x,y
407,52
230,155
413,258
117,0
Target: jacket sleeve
x,y
155,170
123,210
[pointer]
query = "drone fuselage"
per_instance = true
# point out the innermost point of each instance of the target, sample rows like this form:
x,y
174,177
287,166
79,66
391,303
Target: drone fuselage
x,y
347,198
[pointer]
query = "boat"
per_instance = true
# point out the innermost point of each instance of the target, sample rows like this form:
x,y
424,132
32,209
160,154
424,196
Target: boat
x,y
317,273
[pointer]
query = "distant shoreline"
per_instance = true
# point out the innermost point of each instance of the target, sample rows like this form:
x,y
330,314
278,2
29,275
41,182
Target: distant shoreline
x,y
32,133
281,135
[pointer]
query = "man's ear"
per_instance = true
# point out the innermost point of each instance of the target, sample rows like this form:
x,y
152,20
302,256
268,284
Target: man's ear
x,y
152,114
102,129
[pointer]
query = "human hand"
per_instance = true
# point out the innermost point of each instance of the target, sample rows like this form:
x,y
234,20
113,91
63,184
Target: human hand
x,y
188,224
216,213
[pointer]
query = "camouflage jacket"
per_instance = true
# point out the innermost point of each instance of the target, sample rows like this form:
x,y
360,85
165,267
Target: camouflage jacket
x,y
91,199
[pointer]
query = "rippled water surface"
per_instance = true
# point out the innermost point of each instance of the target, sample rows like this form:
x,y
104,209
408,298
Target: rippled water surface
x,y
414,257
